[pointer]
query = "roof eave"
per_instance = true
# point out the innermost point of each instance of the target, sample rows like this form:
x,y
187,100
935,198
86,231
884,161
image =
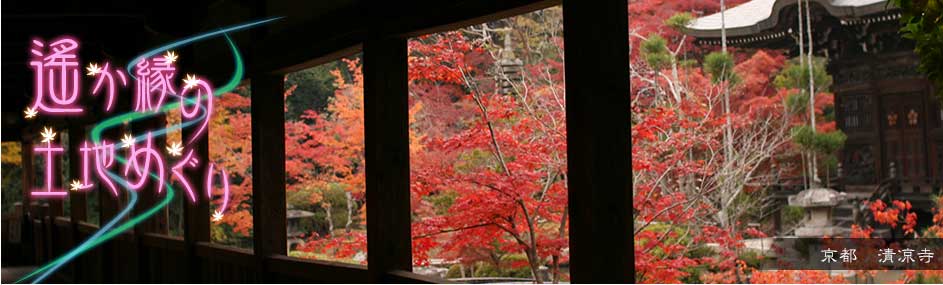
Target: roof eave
x,y
772,21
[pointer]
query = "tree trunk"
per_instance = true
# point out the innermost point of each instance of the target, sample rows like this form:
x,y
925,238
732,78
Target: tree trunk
x,y
801,31
556,257
350,211
330,220
534,265
496,261
556,269
808,30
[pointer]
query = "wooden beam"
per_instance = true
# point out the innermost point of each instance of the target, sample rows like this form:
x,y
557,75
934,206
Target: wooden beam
x,y
268,166
386,127
399,276
598,146
291,270
420,18
285,51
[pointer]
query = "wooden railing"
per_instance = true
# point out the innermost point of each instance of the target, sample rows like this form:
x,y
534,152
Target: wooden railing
x,y
160,258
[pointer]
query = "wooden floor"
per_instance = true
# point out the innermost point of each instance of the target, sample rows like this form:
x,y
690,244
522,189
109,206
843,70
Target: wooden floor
x,y
11,274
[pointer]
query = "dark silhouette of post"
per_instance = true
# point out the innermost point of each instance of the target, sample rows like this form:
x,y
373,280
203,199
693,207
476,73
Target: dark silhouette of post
x,y
598,145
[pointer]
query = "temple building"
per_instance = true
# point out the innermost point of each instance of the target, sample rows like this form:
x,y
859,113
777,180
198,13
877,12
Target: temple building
x,y
883,104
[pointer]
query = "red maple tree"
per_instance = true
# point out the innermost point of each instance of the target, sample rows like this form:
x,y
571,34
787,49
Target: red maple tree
x,y
499,161
231,149
325,150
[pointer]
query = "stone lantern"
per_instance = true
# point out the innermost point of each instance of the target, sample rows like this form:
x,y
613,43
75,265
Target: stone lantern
x,y
818,203
294,235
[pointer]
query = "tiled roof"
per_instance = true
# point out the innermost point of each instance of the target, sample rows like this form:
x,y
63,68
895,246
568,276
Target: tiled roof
x,y
759,15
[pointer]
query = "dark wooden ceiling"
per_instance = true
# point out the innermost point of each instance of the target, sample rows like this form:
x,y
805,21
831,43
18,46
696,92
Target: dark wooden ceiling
x,y
310,32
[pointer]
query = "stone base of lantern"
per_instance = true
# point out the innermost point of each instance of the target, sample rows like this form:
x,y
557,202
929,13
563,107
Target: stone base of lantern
x,y
817,232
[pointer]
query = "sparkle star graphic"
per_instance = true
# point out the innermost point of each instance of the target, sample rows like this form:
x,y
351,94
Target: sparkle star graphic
x,y
48,134
175,149
30,113
190,81
170,56
127,140
93,69
76,185
217,216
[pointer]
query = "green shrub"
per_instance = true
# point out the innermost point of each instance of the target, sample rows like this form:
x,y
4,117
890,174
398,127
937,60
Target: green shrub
x,y
923,279
797,103
675,237
483,269
679,21
752,258
695,272
720,67
796,75
655,52
455,271
792,215
520,272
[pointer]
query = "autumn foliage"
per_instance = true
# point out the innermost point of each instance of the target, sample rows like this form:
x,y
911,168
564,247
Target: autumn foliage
x,y
231,149
488,176
703,147
324,155
488,172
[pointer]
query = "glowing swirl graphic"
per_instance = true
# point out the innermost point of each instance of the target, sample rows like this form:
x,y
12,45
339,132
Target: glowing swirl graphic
x,y
109,230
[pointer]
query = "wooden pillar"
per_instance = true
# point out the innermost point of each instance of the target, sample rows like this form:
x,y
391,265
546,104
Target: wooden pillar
x,y
196,216
882,162
110,205
147,195
26,151
77,198
268,166
160,222
598,145
28,232
56,204
386,130
78,212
